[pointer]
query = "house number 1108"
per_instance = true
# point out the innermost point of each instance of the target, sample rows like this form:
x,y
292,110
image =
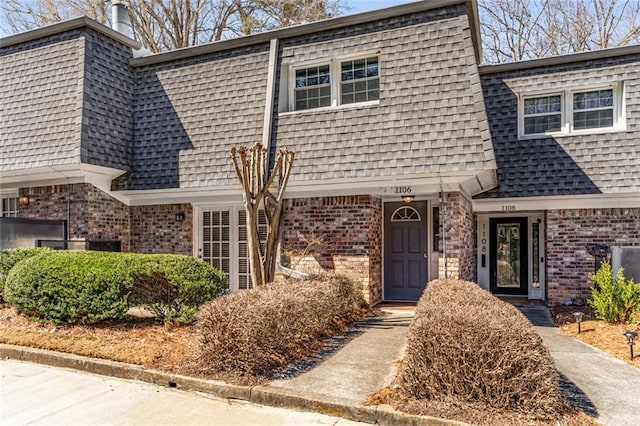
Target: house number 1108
x,y
403,190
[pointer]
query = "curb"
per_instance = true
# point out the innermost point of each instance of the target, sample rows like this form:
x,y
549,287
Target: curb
x,y
263,395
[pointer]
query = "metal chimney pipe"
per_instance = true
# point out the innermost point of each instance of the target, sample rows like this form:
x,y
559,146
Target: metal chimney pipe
x,y
120,17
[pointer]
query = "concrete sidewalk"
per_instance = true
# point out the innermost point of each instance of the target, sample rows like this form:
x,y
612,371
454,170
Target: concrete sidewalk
x,y
603,386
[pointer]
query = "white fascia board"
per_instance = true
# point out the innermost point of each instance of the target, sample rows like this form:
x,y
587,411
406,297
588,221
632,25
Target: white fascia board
x,y
557,202
384,187
57,175
195,196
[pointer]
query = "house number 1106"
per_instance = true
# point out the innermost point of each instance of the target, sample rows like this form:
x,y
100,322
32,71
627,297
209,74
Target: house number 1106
x,y
403,190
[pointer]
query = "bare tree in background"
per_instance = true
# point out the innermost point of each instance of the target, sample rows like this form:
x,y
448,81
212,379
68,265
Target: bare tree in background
x,y
510,29
172,24
24,15
514,30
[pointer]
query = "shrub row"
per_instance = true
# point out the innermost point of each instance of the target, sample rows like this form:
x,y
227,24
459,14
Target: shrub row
x,y
85,286
464,345
258,332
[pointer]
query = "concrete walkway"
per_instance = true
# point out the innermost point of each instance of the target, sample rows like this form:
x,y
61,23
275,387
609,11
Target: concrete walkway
x,y
603,386
358,368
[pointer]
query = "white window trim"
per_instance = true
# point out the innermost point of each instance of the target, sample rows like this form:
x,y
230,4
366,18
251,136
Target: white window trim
x,y
9,213
521,114
566,111
335,76
405,219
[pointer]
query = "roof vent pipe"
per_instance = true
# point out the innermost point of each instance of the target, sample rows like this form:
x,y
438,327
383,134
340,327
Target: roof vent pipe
x,y
120,17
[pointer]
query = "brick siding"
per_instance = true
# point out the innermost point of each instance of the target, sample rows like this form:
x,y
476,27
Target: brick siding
x,y
154,229
92,214
460,230
568,232
342,234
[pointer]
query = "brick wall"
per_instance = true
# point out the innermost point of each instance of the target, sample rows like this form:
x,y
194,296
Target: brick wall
x,y
342,234
92,214
105,217
568,233
154,229
459,237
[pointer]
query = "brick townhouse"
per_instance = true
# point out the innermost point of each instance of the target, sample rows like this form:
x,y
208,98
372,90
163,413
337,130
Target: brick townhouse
x,y
413,161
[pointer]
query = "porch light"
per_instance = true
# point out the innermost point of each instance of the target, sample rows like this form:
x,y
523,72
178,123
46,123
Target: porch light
x,y
180,217
578,316
24,200
408,198
631,336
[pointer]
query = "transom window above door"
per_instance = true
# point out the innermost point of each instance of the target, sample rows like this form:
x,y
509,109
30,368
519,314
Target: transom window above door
x,y
575,111
335,82
405,214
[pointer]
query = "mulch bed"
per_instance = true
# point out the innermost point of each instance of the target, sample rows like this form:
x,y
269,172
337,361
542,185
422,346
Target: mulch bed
x,y
606,337
134,340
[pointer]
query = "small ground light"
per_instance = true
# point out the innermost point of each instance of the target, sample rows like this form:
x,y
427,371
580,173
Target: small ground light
x,y
631,336
578,316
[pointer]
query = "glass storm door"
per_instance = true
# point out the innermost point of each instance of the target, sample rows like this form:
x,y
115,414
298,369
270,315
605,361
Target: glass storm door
x,y
405,248
509,259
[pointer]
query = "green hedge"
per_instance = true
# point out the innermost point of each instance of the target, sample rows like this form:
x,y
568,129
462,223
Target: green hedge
x,y
85,286
10,257
173,287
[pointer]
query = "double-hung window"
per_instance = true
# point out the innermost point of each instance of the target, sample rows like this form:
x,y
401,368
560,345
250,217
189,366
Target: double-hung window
x,y
593,109
543,114
359,80
572,111
336,82
9,207
313,87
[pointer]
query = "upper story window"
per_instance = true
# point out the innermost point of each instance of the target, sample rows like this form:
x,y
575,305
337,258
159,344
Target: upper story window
x,y
572,111
593,110
542,114
9,207
335,82
359,80
313,87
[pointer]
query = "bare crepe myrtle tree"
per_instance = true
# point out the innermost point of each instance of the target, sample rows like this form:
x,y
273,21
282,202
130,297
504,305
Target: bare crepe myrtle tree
x,y
250,165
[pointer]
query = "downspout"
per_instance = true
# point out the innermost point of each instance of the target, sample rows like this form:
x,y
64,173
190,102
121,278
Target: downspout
x,y
267,125
267,141
283,269
68,210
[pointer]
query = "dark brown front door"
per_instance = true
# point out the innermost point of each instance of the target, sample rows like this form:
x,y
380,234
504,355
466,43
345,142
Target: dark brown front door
x,y
509,259
405,248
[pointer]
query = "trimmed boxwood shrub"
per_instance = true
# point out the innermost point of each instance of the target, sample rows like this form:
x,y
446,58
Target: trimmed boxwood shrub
x,y
10,257
72,286
85,286
260,331
173,287
466,346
